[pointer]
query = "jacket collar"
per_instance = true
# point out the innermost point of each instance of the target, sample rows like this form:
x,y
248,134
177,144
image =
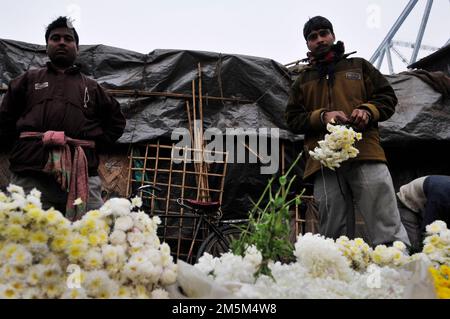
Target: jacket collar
x,y
74,69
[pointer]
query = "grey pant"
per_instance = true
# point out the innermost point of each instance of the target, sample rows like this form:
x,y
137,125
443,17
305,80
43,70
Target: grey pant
x,y
366,186
52,194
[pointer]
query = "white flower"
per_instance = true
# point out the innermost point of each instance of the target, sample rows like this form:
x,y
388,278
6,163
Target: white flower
x,y
117,206
123,223
159,294
337,146
93,260
169,275
136,202
400,246
77,201
118,237
15,189
436,227
76,293
136,239
321,257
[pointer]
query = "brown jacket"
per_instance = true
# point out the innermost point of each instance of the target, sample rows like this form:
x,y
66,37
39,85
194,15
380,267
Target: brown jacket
x,y
357,84
42,100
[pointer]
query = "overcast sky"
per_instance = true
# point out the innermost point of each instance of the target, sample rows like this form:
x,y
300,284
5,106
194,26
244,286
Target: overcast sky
x,y
264,28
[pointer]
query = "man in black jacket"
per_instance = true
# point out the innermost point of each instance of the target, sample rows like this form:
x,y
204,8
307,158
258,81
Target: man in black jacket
x,y
56,118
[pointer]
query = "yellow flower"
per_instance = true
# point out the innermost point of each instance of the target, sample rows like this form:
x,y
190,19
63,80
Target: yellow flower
x,y
59,243
35,213
76,252
15,232
39,237
124,292
93,240
428,249
441,281
9,293
93,214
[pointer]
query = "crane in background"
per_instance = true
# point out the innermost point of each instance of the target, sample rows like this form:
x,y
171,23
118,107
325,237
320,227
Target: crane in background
x,y
389,44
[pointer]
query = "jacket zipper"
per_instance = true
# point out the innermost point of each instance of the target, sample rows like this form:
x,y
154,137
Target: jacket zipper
x,y
330,102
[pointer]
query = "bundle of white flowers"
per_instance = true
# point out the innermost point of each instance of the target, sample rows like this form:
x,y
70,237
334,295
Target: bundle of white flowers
x,y
336,147
395,255
321,271
437,243
325,268
110,253
356,251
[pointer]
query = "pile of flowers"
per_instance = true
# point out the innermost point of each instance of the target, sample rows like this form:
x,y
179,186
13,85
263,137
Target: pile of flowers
x,y
112,252
336,147
342,268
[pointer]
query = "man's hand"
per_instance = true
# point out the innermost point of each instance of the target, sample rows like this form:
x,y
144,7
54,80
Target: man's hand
x,y
339,117
360,118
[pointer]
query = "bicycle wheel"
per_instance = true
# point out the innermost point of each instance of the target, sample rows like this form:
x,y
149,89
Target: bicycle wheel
x,y
216,246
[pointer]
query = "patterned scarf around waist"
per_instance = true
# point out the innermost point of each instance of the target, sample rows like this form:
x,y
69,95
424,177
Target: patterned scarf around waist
x,y
71,174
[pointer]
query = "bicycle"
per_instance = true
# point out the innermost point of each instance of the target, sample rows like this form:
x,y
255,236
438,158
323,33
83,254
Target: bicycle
x,y
221,232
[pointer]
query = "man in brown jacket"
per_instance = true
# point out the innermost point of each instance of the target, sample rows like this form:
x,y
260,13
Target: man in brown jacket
x,y
348,91
56,118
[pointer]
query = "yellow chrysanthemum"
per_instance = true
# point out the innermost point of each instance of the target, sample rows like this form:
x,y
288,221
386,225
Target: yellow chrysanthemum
x,y
35,213
38,237
9,293
59,243
76,252
124,292
15,232
428,249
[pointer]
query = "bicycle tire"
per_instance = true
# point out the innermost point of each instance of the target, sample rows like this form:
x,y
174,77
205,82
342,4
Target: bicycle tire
x,y
215,246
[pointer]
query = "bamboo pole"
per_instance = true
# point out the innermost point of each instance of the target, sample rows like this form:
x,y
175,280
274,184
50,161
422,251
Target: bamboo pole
x,y
142,93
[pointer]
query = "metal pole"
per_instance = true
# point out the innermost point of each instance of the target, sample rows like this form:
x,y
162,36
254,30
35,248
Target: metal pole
x,y
389,59
400,55
423,25
380,59
393,30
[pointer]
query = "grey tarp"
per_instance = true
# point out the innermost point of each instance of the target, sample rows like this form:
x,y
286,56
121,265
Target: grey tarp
x,y
422,115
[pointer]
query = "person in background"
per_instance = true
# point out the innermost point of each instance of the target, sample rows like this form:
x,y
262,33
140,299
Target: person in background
x,y
56,118
350,91
423,201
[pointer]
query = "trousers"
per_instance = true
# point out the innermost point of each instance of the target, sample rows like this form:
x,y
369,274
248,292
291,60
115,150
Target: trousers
x,y
52,194
367,187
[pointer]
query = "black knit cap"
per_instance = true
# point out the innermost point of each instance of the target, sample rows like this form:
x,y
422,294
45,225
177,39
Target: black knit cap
x,y
316,23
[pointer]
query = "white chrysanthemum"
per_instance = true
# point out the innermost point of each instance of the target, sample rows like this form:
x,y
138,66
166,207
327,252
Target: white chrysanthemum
x,y
159,294
123,223
136,239
136,202
77,201
169,275
118,237
321,257
97,282
34,198
76,293
253,256
93,260
337,146
436,227
8,292
117,207
14,189
22,258
386,256
32,293
400,246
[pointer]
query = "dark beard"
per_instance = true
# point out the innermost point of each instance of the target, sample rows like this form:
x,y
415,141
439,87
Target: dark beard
x,y
321,54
